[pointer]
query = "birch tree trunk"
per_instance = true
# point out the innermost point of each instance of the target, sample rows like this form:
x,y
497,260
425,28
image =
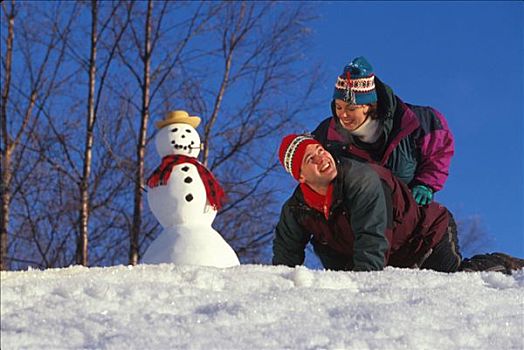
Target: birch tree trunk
x,y
5,154
141,144
82,250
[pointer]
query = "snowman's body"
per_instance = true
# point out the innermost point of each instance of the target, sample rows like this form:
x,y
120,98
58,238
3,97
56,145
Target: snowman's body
x,y
190,245
182,201
182,208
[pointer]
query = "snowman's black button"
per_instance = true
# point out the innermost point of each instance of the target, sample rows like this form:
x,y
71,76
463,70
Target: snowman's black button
x,y
189,197
186,168
188,180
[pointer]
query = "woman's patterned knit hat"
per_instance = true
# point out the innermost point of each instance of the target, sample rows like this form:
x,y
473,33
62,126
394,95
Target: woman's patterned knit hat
x,y
292,150
356,85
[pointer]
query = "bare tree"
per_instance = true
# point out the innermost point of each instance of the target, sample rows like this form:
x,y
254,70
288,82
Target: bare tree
x,y
25,90
254,65
49,176
142,138
473,237
93,102
7,144
82,251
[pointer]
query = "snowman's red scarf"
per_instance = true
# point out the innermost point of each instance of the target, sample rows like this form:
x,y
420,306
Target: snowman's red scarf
x,y
215,193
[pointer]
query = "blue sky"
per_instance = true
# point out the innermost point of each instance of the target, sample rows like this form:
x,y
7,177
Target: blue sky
x,y
463,58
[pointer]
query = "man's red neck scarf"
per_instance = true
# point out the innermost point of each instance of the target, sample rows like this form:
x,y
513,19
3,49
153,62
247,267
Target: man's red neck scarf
x,y
316,200
215,193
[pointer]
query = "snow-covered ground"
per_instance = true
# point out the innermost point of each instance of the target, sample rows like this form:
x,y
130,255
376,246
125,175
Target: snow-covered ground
x,y
259,307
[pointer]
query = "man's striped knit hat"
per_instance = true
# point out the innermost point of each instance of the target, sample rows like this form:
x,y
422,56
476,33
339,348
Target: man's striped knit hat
x,y
356,85
291,152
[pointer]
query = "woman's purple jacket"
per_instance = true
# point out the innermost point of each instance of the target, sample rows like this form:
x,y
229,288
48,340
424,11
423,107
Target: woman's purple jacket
x,y
419,144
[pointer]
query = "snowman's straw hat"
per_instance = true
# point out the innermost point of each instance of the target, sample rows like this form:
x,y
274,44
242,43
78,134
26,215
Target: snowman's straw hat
x,y
178,117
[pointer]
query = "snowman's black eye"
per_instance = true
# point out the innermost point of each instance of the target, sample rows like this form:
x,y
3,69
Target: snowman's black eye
x,y
187,130
174,130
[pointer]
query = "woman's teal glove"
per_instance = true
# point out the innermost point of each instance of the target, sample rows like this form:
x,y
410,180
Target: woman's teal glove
x,y
423,195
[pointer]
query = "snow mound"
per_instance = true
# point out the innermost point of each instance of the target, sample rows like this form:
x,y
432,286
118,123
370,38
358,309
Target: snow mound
x,y
259,307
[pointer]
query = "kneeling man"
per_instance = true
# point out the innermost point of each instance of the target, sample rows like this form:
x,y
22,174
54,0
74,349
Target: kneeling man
x,y
357,216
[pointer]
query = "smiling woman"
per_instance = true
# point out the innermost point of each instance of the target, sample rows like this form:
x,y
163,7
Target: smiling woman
x,y
351,116
370,123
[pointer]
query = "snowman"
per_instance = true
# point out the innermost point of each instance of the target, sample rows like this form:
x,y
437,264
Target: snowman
x,y
184,196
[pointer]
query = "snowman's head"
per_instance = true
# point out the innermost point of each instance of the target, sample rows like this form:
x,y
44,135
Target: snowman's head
x,y
178,138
